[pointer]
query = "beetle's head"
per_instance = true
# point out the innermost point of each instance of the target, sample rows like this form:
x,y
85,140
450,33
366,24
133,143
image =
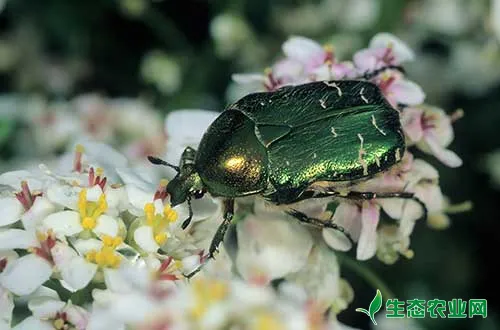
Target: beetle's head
x,y
185,186
187,183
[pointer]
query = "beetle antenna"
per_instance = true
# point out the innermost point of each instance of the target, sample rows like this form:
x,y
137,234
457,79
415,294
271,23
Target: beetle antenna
x,y
188,220
158,161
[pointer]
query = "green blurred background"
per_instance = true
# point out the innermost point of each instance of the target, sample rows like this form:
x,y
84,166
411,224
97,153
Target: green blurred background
x,y
181,54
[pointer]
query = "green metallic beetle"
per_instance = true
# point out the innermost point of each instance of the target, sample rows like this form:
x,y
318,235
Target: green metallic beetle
x,y
295,143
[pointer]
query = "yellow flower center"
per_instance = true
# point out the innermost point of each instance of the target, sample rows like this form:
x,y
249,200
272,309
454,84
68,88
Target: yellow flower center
x,y
106,257
159,222
59,324
207,292
267,321
90,211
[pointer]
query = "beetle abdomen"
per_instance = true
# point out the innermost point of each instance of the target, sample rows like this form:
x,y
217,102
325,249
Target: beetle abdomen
x,y
230,160
336,131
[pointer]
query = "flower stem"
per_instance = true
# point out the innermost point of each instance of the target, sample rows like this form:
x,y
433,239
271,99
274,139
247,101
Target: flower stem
x,y
367,274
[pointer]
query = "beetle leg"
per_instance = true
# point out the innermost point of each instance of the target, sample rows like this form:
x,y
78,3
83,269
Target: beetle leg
x,y
219,235
186,222
357,195
402,195
302,217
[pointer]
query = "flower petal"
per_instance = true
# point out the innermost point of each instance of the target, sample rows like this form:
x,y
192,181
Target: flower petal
x,y
115,282
407,92
12,210
143,236
64,195
367,243
302,49
106,225
17,239
77,316
271,247
336,239
6,307
447,157
41,208
348,216
32,322
14,179
411,120
26,274
320,277
65,223
401,51
45,308
75,270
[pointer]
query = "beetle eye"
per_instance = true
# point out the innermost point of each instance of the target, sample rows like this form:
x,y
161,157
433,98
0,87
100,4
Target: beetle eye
x,y
198,194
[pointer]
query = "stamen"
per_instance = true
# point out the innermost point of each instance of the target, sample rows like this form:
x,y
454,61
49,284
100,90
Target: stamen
x,y
3,264
82,203
77,163
25,196
459,113
161,192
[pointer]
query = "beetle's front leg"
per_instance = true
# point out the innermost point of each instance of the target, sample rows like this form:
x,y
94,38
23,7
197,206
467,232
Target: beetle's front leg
x,y
219,235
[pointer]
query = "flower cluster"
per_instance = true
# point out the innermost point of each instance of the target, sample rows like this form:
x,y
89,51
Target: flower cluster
x,y
95,243
48,127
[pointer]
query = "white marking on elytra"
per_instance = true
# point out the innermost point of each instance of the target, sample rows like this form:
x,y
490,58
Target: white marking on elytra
x,y
322,103
262,103
362,96
374,122
361,154
333,132
398,155
334,85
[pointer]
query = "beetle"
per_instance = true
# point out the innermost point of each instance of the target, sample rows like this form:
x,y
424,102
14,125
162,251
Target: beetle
x,y
295,143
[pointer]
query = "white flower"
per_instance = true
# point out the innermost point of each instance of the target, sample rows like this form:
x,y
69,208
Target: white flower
x,y
24,275
430,129
320,277
385,49
78,267
50,313
153,232
271,245
90,217
26,204
6,299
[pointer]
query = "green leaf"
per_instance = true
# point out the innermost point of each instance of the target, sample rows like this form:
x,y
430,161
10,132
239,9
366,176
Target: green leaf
x,y
375,306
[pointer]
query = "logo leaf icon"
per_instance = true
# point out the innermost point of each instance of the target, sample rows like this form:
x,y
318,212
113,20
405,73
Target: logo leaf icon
x,y
375,306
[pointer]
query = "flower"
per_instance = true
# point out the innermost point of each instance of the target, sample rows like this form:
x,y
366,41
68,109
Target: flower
x,y
52,313
24,275
91,259
384,49
153,232
430,129
270,246
88,219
